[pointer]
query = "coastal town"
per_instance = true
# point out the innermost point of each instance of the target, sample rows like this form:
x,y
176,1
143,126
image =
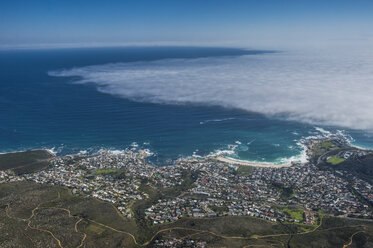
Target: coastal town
x,y
209,188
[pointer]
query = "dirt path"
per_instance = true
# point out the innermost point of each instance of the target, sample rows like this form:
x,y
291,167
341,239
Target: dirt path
x,y
195,231
33,213
198,231
351,239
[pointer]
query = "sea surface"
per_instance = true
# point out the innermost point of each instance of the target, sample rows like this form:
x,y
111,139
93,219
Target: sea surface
x,y
41,110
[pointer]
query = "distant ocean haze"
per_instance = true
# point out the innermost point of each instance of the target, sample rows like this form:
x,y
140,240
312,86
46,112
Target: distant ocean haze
x,y
180,101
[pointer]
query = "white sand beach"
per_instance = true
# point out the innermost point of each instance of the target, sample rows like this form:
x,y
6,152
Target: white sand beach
x,y
248,163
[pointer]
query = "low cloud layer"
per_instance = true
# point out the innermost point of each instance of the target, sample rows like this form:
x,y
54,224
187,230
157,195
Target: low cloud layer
x,y
330,88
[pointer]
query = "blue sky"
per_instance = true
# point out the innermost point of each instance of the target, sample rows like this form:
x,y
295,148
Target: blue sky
x,y
244,23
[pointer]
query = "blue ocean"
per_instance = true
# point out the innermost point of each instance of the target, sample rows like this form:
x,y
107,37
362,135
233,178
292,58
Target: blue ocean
x,y
40,107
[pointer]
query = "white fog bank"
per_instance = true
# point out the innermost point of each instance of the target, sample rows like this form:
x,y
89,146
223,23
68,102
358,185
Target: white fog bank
x,y
327,88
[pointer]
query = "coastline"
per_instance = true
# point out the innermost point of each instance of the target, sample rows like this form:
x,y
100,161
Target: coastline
x,y
248,163
49,151
229,160
218,158
53,154
359,147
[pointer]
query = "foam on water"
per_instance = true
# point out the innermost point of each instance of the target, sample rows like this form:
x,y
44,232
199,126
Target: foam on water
x,y
174,102
216,120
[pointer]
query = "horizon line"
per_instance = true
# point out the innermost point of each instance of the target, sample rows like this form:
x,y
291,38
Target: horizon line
x,y
42,46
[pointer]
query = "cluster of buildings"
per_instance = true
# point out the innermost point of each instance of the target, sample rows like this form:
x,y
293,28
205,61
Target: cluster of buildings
x,y
309,217
317,189
364,188
218,189
179,243
8,176
109,176
221,190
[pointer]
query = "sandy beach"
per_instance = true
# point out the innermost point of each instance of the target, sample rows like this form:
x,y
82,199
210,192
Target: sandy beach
x,y
247,163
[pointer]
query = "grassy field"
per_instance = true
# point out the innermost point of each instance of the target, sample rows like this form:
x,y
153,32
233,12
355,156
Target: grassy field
x,y
244,170
115,173
320,148
106,171
296,214
361,167
335,160
327,144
